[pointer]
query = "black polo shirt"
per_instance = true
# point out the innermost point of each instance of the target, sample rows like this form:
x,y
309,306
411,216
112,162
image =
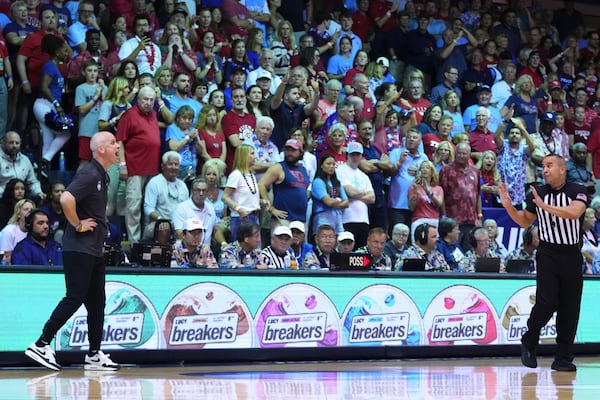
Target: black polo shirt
x,y
89,187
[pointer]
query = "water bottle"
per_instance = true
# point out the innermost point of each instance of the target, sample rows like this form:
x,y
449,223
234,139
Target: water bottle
x,y
293,263
62,162
247,261
287,261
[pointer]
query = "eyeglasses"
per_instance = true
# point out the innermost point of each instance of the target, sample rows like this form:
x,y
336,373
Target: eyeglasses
x,y
198,190
483,240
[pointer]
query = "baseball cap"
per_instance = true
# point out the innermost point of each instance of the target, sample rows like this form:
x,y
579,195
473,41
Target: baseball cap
x,y
554,85
262,74
484,87
345,236
180,10
354,147
293,143
383,61
282,230
193,224
238,69
299,225
549,116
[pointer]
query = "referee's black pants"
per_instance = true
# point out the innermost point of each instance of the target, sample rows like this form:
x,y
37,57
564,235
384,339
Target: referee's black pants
x,y
84,280
559,288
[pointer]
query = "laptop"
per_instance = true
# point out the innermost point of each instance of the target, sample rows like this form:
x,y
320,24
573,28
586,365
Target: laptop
x,y
487,264
414,264
519,266
151,255
349,262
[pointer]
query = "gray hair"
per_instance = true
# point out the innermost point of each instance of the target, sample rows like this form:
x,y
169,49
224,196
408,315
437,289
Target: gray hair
x,y
147,91
265,119
171,154
400,227
338,126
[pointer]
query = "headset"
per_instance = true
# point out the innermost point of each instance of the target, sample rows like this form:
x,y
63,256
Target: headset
x,y
31,215
473,233
421,233
528,234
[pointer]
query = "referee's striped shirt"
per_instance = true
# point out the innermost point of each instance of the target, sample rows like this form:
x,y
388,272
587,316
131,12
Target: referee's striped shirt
x,y
553,229
272,260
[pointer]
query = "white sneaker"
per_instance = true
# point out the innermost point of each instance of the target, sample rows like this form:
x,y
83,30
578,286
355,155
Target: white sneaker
x,y
43,355
100,362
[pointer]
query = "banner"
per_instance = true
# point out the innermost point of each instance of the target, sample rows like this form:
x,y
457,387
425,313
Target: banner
x,y
220,310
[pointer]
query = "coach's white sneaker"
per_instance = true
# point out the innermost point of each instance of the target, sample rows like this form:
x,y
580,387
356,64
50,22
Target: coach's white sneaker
x,y
43,355
100,362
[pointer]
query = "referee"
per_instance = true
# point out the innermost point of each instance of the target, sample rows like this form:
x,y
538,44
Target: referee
x,y
559,207
84,206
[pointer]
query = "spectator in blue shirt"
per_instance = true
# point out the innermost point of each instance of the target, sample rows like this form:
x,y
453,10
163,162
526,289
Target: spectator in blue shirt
x,y
37,248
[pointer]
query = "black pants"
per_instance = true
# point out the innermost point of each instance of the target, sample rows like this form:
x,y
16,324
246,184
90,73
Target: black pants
x,y
84,279
559,288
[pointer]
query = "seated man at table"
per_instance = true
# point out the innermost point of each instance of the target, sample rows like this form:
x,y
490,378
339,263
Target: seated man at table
x,y
279,255
189,251
325,242
37,248
375,244
426,239
398,243
245,251
480,242
449,245
299,245
345,242
528,248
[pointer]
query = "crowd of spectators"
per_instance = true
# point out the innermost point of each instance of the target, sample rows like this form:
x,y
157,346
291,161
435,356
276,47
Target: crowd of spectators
x,y
264,133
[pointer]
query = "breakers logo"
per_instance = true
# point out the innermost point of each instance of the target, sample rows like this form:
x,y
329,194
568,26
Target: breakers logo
x,y
201,329
295,328
447,328
376,328
119,329
518,326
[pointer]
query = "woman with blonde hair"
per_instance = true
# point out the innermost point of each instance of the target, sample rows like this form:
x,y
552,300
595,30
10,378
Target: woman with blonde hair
x,y
15,230
213,172
490,179
163,79
425,197
443,155
451,107
114,105
210,133
524,102
241,191
284,47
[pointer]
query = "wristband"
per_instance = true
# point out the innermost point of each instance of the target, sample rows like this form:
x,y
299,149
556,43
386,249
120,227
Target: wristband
x,y
25,82
122,165
566,105
9,76
55,103
79,228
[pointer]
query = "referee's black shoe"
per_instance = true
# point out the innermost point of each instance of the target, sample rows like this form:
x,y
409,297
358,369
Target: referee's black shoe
x,y
528,357
563,365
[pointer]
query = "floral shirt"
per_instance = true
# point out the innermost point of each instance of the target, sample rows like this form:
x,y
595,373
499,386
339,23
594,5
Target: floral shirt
x,y
435,259
467,264
235,257
315,259
382,263
511,165
520,254
202,257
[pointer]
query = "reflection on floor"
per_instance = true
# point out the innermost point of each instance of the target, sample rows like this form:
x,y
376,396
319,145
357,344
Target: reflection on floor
x,y
381,380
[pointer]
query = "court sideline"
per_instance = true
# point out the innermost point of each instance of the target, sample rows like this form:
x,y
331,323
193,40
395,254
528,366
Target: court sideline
x,y
482,378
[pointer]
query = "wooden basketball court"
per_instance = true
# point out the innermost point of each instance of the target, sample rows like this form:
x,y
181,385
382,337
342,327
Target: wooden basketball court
x,y
483,378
